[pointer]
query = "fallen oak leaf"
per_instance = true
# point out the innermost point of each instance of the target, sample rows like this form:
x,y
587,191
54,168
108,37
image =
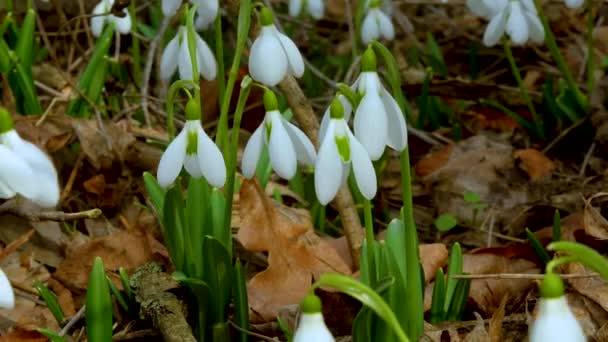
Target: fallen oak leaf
x,y
296,255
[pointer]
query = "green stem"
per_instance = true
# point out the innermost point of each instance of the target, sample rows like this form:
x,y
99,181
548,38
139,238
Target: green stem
x,y
175,86
555,263
231,163
522,88
371,246
415,305
192,43
219,53
559,59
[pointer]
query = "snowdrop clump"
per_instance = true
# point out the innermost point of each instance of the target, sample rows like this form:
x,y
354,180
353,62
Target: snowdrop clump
x,y
376,24
7,296
517,18
554,319
177,56
287,144
25,170
102,14
315,8
339,150
273,54
312,325
378,122
207,11
193,150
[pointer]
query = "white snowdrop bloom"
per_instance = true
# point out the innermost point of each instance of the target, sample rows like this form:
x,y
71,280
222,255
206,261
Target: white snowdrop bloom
x,y
287,144
101,15
177,56
26,170
193,150
206,11
554,319
170,7
312,325
376,25
7,296
348,109
339,150
486,8
574,3
273,55
315,8
518,19
379,122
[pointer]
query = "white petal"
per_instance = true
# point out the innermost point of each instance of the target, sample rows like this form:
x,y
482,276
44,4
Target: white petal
x,y
517,27
574,3
295,62
295,7
207,12
169,7
210,159
348,109
495,29
99,19
192,166
305,151
253,149
363,169
206,60
172,160
267,59
537,31
16,174
387,30
397,128
528,5
7,296
123,25
282,153
371,125
312,328
369,29
323,126
41,165
168,60
5,191
327,178
479,8
555,322
316,8
184,61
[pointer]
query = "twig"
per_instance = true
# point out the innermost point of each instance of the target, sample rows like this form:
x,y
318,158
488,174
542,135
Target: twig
x,y
13,206
235,326
520,276
77,317
148,69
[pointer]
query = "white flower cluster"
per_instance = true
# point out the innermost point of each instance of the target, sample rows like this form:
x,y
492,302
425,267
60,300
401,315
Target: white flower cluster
x,y
377,23
26,170
102,14
206,11
312,325
315,8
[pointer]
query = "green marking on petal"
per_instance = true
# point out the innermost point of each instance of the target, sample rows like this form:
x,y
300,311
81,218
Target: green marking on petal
x,y
6,123
192,146
311,304
268,130
343,148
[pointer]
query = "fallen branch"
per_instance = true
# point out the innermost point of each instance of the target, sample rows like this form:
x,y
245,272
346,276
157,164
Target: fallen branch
x,y
16,207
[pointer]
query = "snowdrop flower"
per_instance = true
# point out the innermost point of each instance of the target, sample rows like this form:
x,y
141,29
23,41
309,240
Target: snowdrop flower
x,y
517,18
7,296
287,144
102,14
376,25
339,150
486,8
574,3
177,56
26,170
193,150
273,55
206,11
378,119
170,7
554,320
315,8
312,326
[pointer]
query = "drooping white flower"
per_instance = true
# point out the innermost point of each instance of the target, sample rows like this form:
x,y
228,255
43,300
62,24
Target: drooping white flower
x,y
7,296
193,150
339,150
376,25
517,18
574,3
312,326
554,319
206,11
486,8
378,122
25,169
287,144
315,8
169,7
102,14
177,56
273,55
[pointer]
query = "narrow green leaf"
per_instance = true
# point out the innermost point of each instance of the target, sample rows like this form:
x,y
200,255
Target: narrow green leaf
x,y
454,268
218,275
585,255
557,226
117,295
241,302
155,192
537,246
173,225
459,300
51,335
51,301
25,43
98,313
438,302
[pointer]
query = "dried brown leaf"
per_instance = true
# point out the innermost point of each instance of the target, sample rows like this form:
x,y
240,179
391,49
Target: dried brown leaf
x,y
534,163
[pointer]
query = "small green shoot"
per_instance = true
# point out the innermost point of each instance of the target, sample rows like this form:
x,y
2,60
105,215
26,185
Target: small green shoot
x,y
445,222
